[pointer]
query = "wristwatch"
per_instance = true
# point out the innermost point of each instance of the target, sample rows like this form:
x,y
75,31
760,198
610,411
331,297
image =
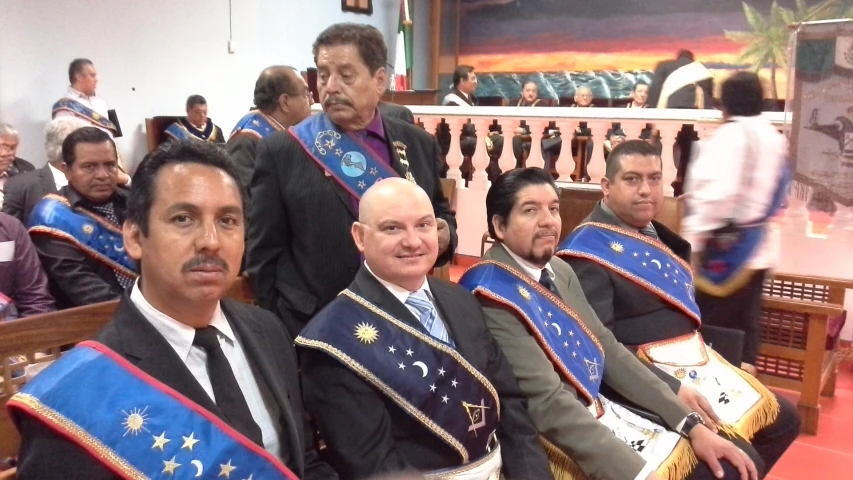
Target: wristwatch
x,y
690,423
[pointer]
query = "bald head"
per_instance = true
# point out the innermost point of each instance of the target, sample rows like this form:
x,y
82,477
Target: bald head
x,y
397,232
583,96
273,82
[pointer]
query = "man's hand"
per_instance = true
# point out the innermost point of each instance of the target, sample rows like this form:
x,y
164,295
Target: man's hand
x,y
443,235
696,402
696,263
710,448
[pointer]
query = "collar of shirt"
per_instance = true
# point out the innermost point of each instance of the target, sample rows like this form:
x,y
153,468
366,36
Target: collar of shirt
x,y
179,335
74,93
622,224
399,292
59,178
375,128
529,269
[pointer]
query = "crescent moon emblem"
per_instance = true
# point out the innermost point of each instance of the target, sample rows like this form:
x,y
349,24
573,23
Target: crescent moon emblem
x,y
198,466
557,327
118,248
422,366
656,262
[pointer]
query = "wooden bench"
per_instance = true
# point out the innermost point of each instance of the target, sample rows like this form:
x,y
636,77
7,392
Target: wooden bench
x,y
800,321
33,342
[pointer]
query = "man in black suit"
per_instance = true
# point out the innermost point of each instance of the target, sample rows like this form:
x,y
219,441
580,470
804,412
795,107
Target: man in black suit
x,y
308,180
23,192
400,372
236,362
10,164
397,112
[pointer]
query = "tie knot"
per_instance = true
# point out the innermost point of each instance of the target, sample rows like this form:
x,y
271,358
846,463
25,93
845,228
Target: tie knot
x,y
649,231
206,338
420,301
544,278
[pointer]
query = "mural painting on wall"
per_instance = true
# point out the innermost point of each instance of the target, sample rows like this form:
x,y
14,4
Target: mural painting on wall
x,y
609,45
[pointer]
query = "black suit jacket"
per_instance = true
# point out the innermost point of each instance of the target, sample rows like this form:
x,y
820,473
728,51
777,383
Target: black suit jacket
x,y
24,191
243,148
76,278
44,455
300,252
397,112
368,434
684,97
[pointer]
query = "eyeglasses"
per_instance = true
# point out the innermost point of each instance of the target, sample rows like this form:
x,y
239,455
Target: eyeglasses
x,y
307,94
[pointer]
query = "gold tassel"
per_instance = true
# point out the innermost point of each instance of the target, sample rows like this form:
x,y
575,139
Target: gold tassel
x,y
679,463
562,467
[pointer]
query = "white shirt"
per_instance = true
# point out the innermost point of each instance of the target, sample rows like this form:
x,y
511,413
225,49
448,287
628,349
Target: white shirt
x,y
402,294
59,177
716,178
262,405
94,102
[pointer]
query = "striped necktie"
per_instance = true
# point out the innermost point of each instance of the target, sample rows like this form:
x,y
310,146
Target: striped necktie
x,y
649,231
421,305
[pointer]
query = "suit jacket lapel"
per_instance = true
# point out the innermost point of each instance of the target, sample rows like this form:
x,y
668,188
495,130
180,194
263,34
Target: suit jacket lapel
x,y
261,355
48,184
498,253
368,286
150,352
458,332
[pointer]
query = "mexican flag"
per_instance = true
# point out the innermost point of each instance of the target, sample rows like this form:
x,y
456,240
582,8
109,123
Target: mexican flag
x,y
403,60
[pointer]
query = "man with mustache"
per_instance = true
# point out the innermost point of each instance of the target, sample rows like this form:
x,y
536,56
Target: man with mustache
x,y
635,273
206,386
400,372
569,365
77,231
306,187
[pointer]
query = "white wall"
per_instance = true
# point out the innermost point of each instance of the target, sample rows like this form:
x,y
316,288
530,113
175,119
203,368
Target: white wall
x,y
152,54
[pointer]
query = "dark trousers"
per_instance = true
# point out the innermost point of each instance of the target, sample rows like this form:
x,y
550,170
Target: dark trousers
x,y
740,310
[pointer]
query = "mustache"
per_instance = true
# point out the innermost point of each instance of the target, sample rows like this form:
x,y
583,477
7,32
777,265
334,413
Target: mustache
x,y
205,260
545,233
337,101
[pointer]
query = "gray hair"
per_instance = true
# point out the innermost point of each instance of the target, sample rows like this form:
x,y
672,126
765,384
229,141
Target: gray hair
x,y
8,131
55,133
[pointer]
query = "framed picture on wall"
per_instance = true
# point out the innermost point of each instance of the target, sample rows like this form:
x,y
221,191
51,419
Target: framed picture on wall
x,y
357,6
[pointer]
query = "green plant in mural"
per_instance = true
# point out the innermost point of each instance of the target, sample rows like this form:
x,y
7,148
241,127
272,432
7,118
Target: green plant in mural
x,y
767,41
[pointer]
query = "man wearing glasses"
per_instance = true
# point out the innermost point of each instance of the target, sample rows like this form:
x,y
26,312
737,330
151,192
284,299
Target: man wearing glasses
x,y
77,231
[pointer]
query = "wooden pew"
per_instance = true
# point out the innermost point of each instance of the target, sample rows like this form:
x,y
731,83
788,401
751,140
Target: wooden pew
x,y
35,341
155,130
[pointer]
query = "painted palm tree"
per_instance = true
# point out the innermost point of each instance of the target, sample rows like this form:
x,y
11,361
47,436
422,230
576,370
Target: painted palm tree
x,y
766,43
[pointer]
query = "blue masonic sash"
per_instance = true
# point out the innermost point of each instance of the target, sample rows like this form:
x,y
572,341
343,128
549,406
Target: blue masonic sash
x,y
84,112
570,345
428,379
347,159
180,131
94,235
255,123
136,426
641,259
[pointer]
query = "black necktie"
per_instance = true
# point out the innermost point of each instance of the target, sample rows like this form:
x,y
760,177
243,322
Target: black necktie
x,y
229,397
546,282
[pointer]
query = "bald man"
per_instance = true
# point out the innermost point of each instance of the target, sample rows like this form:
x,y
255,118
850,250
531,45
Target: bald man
x,y
282,99
400,372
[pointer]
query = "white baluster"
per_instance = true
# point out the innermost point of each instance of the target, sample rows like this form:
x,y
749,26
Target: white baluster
x,y
596,168
454,155
633,129
668,131
566,163
536,127
430,123
507,160
480,160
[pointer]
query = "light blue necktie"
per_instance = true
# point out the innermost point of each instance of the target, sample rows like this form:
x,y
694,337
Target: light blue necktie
x,y
421,305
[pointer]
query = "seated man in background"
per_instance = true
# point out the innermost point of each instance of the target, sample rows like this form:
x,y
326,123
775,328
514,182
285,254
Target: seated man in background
x,y
10,164
77,232
204,385
282,99
23,192
583,99
400,372
551,141
635,274
563,357
639,95
196,125
23,283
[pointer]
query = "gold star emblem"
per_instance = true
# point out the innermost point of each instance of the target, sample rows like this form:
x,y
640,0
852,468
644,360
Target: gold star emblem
x,y
160,441
225,470
524,293
189,442
96,116
680,373
339,152
617,247
366,333
169,466
88,229
134,421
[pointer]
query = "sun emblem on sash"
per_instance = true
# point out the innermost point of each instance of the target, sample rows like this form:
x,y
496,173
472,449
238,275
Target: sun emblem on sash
x,y
88,229
617,247
524,293
134,421
366,333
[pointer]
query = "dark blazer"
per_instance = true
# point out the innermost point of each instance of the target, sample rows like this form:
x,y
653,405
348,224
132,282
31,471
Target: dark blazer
x,y
44,455
300,252
24,191
368,434
397,112
243,148
75,278
684,97
19,165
